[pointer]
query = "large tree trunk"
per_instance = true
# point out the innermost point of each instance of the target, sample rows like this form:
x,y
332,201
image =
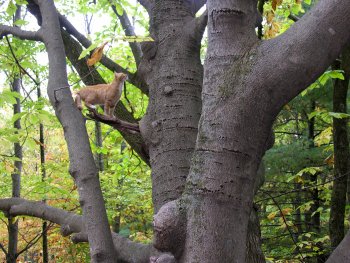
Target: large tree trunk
x,y
341,153
173,71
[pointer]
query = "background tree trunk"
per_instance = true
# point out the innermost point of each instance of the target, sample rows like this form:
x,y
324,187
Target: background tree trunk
x,y
16,179
341,153
43,178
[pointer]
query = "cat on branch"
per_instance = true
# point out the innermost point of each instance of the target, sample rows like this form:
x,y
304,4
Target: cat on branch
x,y
102,94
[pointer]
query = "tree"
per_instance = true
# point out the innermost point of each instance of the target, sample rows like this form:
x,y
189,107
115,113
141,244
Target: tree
x,y
206,128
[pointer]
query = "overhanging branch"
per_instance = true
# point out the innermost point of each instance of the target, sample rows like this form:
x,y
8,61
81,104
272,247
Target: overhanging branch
x,y
21,34
128,251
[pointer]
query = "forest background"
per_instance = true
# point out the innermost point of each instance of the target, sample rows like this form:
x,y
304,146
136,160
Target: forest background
x,y
296,204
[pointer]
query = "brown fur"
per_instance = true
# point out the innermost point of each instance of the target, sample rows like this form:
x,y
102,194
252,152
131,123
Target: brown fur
x,y
102,94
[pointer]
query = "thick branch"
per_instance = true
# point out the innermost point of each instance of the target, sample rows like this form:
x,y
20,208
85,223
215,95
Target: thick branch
x,y
21,34
304,51
129,31
115,122
72,223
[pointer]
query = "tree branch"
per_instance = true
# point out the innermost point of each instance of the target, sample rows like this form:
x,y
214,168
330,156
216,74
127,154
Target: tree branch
x,y
303,52
115,122
129,31
147,4
128,251
19,64
21,34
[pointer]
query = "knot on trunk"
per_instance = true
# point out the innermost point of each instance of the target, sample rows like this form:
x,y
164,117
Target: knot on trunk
x,y
170,228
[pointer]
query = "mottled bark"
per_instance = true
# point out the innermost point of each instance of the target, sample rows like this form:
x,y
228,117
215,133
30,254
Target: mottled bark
x,y
341,152
242,94
173,72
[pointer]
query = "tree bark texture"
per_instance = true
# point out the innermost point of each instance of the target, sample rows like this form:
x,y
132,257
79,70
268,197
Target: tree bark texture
x,y
173,72
341,153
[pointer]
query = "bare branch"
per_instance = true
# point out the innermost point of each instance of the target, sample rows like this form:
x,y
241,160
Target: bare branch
x,y
115,122
128,251
19,206
314,42
129,31
21,34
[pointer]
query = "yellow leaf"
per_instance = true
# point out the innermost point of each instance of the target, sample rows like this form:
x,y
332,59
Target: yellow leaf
x,y
299,180
270,16
38,143
287,107
286,211
330,160
96,55
271,216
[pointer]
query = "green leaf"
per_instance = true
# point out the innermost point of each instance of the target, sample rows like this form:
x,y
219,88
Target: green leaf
x,y
20,22
134,38
11,8
336,74
339,115
85,52
308,2
119,9
17,116
21,2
